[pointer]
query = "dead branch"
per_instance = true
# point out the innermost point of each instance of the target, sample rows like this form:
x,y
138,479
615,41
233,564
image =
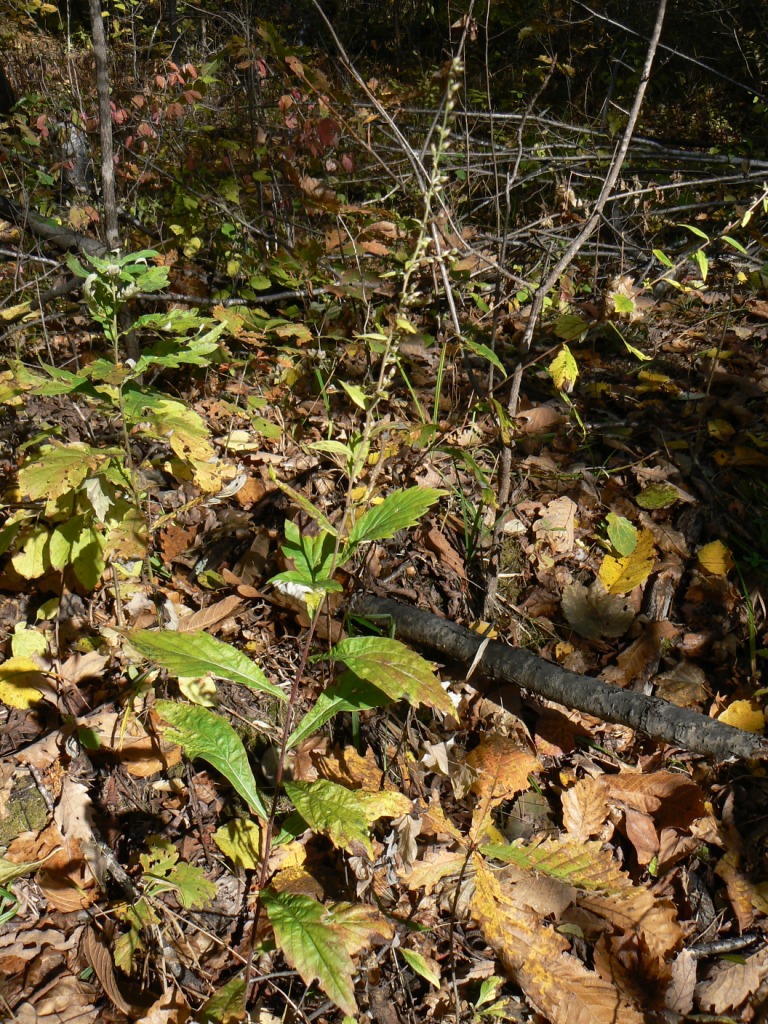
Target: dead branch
x,y
504,665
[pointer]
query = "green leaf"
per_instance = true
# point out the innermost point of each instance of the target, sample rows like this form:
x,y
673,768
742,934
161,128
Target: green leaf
x,y
349,693
226,1005
398,511
56,469
204,734
319,941
658,496
621,533
564,370
694,231
356,394
570,327
417,962
663,258
395,669
79,544
197,654
332,810
193,890
487,353
703,262
736,245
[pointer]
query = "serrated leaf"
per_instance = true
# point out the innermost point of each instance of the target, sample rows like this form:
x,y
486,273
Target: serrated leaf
x,y
20,682
657,496
32,561
319,941
564,370
226,1005
395,669
204,734
418,963
332,810
197,655
398,511
193,890
240,840
620,575
621,533
56,469
570,327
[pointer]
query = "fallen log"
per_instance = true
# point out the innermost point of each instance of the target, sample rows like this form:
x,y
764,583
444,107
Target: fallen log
x,y
503,665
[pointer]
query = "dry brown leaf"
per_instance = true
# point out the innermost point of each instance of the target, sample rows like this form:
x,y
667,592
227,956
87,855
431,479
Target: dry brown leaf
x,y
594,613
641,832
740,889
436,541
553,980
73,814
68,1001
502,769
556,525
101,961
585,809
640,660
210,617
679,995
728,985
82,666
671,798
431,869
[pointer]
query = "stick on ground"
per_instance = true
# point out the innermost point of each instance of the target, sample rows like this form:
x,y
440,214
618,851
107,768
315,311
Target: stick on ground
x,y
506,665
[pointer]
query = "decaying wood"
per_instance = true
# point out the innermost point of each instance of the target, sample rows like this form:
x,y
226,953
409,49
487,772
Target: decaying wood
x,y
503,665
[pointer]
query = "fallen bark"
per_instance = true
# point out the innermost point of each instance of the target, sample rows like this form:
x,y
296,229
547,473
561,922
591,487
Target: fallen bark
x,y
506,665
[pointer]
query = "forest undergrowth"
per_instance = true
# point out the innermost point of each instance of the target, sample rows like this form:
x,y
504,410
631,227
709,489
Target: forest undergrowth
x,y
372,337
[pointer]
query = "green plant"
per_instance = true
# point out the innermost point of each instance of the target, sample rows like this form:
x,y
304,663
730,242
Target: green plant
x,y
82,505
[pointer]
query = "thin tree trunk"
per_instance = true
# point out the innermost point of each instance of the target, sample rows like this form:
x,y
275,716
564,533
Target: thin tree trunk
x,y
105,126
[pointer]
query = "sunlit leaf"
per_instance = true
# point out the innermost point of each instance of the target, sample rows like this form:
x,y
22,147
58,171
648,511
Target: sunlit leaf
x,y
240,840
348,693
420,965
658,496
395,669
204,734
20,682
398,511
319,941
620,575
198,654
226,1005
564,370
332,810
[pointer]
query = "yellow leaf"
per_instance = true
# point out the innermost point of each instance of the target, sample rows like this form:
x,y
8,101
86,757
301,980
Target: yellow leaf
x,y
742,714
715,558
20,682
620,575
